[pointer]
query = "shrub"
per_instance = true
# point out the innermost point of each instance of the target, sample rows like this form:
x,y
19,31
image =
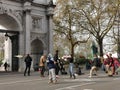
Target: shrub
x,y
80,61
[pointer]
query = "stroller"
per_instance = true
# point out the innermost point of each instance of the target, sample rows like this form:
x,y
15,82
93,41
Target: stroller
x,y
62,69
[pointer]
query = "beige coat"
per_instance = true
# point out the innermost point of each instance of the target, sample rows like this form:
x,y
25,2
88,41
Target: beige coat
x,y
42,61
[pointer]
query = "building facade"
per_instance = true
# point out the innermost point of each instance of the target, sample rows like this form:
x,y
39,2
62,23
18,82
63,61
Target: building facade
x,y
29,27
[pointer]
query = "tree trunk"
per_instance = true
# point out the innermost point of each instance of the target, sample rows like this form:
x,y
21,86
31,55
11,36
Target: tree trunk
x,y
100,43
72,50
118,49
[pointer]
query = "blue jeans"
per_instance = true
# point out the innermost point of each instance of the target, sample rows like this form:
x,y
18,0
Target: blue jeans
x,y
71,70
52,76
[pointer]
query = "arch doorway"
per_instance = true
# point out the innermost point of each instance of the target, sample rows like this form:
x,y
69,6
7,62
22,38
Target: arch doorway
x,y
9,30
36,51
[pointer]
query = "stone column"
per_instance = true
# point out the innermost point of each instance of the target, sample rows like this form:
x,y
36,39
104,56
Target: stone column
x,y
27,33
50,14
28,26
22,51
50,35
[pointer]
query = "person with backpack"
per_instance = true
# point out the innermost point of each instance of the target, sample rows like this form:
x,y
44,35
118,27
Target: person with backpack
x,y
27,61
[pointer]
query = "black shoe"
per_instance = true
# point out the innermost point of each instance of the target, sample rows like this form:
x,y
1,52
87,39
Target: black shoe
x,y
70,76
94,74
74,76
24,74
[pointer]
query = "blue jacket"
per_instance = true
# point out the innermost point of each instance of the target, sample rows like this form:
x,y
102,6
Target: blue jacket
x,y
50,62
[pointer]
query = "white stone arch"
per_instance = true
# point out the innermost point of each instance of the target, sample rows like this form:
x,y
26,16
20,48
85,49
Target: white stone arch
x,y
44,44
34,36
17,21
37,49
19,28
15,14
37,45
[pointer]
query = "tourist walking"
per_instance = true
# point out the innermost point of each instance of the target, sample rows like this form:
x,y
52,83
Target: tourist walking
x,y
94,67
51,67
57,61
28,61
5,66
111,64
42,65
71,67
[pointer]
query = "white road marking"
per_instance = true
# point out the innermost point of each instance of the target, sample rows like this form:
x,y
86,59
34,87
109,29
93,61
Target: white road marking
x,y
80,80
74,86
116,79
22,81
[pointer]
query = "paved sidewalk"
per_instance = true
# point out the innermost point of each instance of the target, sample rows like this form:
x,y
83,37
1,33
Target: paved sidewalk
x,y
9,73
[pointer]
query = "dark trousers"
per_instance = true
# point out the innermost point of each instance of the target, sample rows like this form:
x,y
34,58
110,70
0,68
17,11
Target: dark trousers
x,y
57,68
42,69
5,69
27,69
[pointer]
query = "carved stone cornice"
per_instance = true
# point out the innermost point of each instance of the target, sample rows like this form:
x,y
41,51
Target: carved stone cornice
x,y
51,4
16,0
38,35
50,8
27,7
27,1
17,13
21,1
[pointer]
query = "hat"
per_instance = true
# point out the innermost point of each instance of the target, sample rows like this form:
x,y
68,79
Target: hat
x,y
49,55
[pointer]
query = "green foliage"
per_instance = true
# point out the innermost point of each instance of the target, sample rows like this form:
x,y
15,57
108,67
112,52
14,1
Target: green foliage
x,y
90,56
80,61
95,17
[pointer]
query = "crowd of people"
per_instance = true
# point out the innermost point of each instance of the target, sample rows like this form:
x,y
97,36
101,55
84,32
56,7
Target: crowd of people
x,y
54,66
110,65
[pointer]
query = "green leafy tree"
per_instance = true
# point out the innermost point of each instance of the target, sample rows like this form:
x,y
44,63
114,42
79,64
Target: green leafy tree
x,y
98,17
66,25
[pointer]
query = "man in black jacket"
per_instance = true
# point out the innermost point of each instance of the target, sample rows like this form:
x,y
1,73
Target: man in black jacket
x,y
57,67
28,61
